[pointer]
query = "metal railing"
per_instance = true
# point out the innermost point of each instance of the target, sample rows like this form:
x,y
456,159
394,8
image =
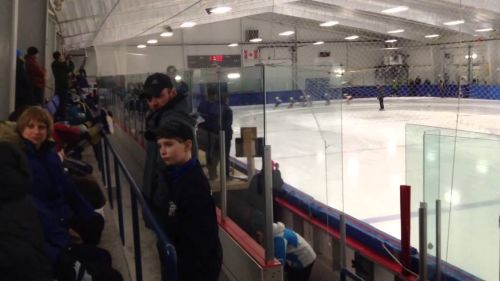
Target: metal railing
x,y
169,255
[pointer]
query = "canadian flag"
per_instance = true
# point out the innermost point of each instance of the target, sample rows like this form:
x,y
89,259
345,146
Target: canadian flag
x,y
251,54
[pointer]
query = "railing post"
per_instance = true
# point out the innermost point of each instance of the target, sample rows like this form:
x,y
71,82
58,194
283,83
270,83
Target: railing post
x,y
137,236
438,240
342,251
222,173
108,176
119,198
422,218
101,157
268,197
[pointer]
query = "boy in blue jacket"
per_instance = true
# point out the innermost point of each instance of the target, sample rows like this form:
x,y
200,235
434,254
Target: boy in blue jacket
x,y
189,217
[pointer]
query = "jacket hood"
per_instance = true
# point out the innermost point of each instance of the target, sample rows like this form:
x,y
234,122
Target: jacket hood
x,y
278,228
14,172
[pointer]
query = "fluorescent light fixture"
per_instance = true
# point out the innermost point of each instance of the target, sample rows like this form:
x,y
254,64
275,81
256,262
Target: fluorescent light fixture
x,y
152,41
234,75
431,36
136,54
233,45
353,37
396,31
329,23
474,56
178,78
391,48
484,29
256,40
188,24
391,41
394,10
339,71
319,43
167,34
141,46
220,10
338,75
455,22
286,33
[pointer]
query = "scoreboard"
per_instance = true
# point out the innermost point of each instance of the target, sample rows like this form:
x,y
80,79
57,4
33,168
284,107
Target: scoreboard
x,y
207,61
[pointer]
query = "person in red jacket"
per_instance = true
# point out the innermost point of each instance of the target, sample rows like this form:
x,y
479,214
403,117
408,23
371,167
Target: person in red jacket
x,y
36,74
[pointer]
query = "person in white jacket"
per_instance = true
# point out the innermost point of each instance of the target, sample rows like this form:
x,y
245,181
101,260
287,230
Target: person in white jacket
x,y
293,252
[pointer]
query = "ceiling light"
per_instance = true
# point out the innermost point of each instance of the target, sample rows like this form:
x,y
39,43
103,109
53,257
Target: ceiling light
x,y
167,34
255,40
329,23
353,37
233,45
391,41
152,41
178,78
455,22
286,33
473,56
318,43
484,29
234,75
395,10
396,31
431,36
391,48
188,24
141,46
220,10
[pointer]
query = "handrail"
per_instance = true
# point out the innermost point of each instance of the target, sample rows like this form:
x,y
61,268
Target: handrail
x,y
169,252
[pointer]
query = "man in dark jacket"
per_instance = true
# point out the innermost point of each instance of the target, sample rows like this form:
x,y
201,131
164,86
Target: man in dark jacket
x,y
165,105
189,213
24,90
22,248
61,69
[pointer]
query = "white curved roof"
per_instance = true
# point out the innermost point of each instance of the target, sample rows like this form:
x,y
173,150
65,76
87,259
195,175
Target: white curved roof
x,y
85,23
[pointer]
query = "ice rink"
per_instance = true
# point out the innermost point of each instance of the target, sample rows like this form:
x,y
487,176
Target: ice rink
x,y
306,142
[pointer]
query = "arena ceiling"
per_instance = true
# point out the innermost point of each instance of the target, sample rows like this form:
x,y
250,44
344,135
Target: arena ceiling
x,y
85,23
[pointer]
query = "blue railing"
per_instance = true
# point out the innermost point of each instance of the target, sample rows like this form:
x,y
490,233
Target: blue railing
x,y
169,256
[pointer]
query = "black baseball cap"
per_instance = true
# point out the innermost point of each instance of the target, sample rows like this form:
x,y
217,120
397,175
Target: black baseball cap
x,y
155,83
174,129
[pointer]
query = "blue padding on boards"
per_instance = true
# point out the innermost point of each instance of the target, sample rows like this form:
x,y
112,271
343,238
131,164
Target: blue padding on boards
x,y
317,91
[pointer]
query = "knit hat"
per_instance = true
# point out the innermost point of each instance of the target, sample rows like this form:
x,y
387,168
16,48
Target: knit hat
x,y
14,172
278,228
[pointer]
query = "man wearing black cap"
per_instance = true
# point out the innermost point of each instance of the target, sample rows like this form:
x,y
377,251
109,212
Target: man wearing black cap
x,y
165,105
189,217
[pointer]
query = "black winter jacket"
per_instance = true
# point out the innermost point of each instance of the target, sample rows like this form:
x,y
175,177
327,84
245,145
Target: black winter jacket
x,y
22,247
190,222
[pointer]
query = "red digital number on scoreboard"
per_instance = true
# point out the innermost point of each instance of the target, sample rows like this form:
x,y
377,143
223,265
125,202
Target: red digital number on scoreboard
x,y
217,58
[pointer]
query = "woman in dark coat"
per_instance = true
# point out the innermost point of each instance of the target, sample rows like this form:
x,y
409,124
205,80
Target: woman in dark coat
x,y
51,186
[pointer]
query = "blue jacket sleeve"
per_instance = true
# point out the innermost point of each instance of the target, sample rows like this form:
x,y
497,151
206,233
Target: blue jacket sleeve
x,y
280,249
